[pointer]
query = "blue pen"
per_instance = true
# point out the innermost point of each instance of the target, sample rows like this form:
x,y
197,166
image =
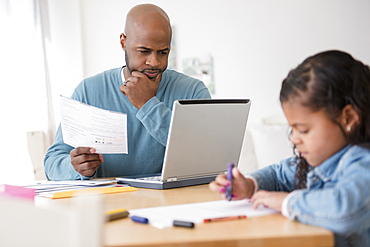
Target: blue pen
x,y
140,219
229,176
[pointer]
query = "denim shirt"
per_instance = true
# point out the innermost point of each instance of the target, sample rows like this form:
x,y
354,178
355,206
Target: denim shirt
x,y
337,196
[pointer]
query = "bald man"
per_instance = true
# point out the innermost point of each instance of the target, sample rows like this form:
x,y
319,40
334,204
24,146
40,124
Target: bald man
x,y
143,89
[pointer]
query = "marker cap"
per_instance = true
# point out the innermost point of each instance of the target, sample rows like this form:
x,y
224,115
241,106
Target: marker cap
x,y
183,223
140,219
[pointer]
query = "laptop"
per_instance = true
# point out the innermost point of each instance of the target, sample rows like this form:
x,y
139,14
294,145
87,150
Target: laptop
x,y
204,136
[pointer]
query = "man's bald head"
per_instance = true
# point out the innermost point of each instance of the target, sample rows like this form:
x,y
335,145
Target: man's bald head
x,y
146,41
147,17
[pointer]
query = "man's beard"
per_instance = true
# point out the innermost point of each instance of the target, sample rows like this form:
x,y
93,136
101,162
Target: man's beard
x,y
127,63
141,71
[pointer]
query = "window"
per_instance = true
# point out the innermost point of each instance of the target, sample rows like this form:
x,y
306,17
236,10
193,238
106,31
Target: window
x,y
23,94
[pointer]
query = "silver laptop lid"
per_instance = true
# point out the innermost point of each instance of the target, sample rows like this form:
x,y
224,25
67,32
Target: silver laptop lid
x,y
204,136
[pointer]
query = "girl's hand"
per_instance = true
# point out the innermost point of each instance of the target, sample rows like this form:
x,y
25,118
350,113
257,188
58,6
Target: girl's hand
x,y
269,199
242,187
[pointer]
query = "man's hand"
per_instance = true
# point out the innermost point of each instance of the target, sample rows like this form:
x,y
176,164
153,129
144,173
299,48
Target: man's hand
x,y
139,88
85,161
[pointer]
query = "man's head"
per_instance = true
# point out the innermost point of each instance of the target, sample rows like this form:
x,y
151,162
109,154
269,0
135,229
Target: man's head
x,y
147,40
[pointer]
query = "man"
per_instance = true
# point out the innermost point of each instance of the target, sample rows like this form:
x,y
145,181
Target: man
x,y
143,89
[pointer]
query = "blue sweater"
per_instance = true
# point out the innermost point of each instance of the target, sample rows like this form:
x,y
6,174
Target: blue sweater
x,y
147,128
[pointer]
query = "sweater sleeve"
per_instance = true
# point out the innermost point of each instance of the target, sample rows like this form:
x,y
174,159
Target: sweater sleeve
x,y
57,161
156,116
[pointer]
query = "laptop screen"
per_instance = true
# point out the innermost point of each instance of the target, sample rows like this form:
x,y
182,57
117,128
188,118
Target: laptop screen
x,y
205,135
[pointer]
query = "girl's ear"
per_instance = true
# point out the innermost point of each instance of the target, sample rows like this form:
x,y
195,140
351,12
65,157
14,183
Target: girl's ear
x,y
350,118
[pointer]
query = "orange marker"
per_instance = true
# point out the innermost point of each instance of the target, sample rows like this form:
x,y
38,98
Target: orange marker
x,y
225,218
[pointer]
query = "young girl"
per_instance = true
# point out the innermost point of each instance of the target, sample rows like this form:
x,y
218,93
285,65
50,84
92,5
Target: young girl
x,y
326,101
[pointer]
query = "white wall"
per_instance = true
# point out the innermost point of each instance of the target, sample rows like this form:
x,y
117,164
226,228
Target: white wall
x,y
254,43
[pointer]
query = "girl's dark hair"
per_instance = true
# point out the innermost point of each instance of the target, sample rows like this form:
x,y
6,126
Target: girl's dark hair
x,y
330,80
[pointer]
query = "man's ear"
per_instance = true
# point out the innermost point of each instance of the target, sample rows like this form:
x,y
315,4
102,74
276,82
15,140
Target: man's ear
x,y
122,40
350,118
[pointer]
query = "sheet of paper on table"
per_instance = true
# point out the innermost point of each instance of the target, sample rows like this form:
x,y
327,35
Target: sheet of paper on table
x,y
63,189
88,126
162,217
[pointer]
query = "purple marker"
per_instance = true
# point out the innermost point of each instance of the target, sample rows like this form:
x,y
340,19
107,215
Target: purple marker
x,y
229,176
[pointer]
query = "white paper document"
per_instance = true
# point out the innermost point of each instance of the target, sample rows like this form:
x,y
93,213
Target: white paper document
x,y
162,217
88,126
48,188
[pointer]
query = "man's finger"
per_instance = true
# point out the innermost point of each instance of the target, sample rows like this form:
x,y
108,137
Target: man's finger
x,y
137,74
84,158
158,78
87,169
123,89
91,165
82,150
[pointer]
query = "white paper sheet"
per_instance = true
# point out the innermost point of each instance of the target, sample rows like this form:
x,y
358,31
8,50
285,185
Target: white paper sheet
x,y
48,188
87,126
162,217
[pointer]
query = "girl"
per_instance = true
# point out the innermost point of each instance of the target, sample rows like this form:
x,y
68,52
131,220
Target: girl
x,y
326,101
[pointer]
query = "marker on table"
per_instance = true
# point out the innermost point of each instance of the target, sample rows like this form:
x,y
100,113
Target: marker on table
x,y
116,214
140,219
229,176
183,223
225,218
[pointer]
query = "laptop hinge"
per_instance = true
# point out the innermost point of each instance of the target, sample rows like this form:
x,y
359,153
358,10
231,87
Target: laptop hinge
x,y
171,179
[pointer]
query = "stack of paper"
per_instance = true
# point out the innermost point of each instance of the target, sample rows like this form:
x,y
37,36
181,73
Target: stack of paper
x,y
64,189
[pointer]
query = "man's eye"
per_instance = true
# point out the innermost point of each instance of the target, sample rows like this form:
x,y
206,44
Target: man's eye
x,y
143,51
303,131
164,52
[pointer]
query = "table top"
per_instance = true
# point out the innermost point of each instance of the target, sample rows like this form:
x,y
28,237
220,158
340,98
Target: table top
x,y
271,230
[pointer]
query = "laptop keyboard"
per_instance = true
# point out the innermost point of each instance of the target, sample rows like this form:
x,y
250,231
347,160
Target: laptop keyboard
x,y
153,178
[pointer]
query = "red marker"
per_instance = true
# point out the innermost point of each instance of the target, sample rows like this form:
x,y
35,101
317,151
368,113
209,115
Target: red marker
x,y
225,218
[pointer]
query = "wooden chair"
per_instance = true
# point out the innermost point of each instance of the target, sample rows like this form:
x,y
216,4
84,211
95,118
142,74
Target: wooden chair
x,y
37,150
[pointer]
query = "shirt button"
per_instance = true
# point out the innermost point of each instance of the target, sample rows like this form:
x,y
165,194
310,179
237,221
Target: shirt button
x,y
315,179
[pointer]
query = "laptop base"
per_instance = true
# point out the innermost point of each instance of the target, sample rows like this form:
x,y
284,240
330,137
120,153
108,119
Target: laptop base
x,y
135,182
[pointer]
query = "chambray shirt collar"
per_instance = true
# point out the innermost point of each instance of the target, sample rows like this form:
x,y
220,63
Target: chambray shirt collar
x,y
326,170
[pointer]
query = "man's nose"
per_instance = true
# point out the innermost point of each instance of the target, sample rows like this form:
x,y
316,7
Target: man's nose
x,y
152,60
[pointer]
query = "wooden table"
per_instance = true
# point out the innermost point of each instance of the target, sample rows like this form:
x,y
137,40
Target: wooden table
x,y
271,230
